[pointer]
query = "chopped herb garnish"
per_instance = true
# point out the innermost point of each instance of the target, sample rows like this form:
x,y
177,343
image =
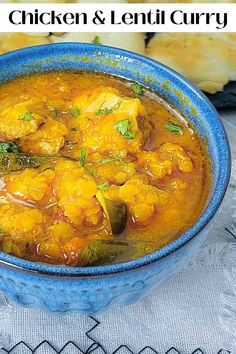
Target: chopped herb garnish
x,y
138,90
107,160
27,116
75,112
82,157
73,129
116,105
124,128
104,186
4,147
105,111
57,112
9,147
96,40
88,169
82,160
174,128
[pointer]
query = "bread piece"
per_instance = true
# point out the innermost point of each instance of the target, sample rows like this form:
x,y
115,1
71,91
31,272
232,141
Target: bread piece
x,y
130,41
186,1
33,1
13,41
207,59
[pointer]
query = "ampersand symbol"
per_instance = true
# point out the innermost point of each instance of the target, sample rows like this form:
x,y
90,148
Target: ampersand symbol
x,y
98,20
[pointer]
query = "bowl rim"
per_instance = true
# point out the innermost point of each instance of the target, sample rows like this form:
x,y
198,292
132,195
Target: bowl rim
x,y
58,271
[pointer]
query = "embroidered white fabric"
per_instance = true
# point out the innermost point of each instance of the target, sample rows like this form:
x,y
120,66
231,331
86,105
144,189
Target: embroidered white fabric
x,y
196,310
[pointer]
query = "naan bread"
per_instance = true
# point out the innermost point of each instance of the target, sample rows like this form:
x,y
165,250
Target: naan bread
x,y
13,41
130,41
99,1
32,1
187,1
206,59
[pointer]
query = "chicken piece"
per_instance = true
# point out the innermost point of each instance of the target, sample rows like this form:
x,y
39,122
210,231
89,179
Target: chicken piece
x,y
165,160
30,184
19,121
47,140
142,199
76,192
108,122
104,99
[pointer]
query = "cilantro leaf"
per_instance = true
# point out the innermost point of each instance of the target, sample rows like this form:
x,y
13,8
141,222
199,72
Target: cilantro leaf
x,y
116,105
138,90
107,160
4,147
75,112
104,186
174,128
57,112
9,147
82,157
105,111
27,116
96,40
124,128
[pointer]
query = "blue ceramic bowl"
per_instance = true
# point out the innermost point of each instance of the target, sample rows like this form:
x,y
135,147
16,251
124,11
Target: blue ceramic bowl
x,y
90,290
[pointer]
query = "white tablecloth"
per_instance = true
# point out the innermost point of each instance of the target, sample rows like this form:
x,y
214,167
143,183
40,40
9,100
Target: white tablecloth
x,y
195,312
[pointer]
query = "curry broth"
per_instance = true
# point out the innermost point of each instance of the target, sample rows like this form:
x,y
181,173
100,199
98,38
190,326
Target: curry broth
x,y
120,144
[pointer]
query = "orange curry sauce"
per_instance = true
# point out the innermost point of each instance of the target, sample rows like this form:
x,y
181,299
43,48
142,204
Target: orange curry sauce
x,y
103,138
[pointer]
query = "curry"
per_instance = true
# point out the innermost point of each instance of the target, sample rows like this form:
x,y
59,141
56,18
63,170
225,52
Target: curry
x,y
94,169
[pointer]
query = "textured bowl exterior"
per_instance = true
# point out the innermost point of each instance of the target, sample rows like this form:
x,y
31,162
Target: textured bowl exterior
x,y
92,290
93,295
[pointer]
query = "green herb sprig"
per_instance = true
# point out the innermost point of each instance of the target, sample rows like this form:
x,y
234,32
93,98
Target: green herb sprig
x,y
96,40
57,112
27,116
75,112
174,128
103,187
105,111
9,147
82,156
138,90
105,160
124,128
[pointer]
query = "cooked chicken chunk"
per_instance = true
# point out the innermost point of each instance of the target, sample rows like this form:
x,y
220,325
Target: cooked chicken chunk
x,y
108,122
22,121
47,140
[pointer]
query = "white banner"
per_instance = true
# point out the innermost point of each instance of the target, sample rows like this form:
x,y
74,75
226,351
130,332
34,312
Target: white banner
x,y
117,17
